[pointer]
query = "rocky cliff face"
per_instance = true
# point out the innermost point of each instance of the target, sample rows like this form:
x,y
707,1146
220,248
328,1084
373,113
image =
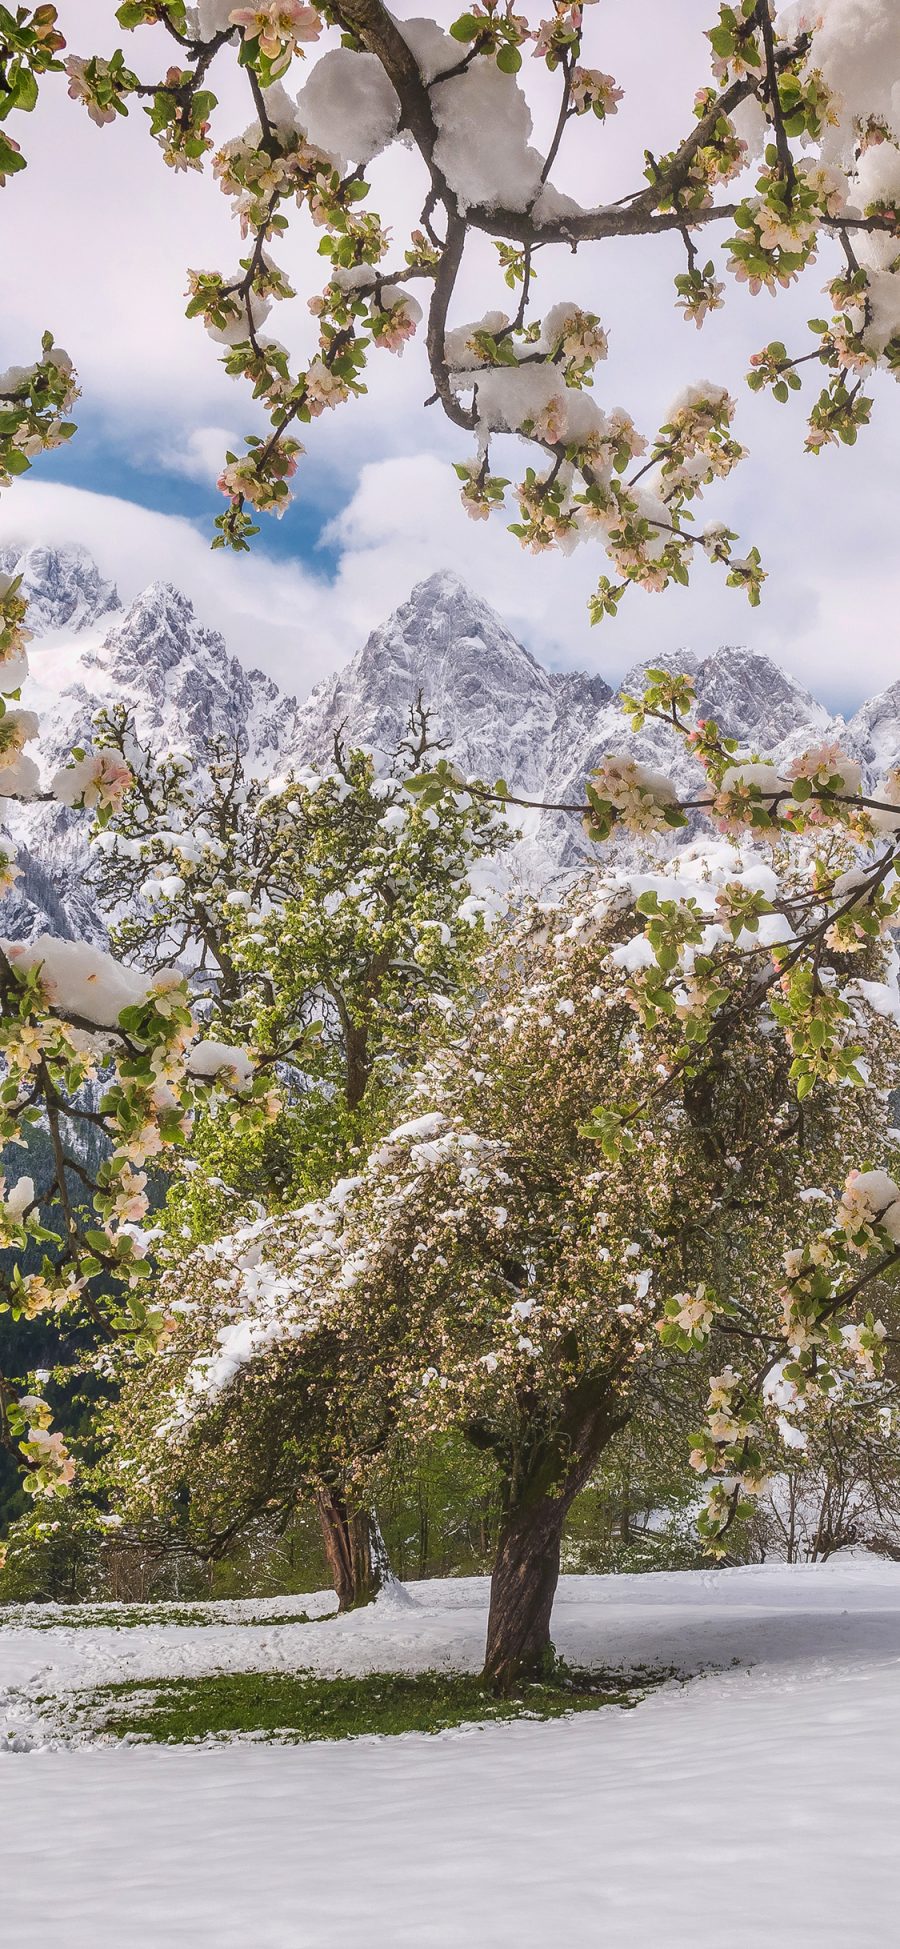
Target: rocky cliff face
x,y
501,713
496,710
173,674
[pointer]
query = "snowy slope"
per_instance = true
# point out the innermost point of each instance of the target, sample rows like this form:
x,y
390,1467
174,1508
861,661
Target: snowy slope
x,y
754,1808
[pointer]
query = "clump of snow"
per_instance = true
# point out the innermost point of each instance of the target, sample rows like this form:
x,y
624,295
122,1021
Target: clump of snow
x,y
348,107
462,354
211,1058
484,122
701,392
425,1126
20,779
164,886
633,955
847,883
80,980
883,297
751,125
882,1195
213,16
764,779
878,178
888,792
236,329
394,819
857,49
884,996
16,1199
14,667
19,727
551,204
534,396
434,50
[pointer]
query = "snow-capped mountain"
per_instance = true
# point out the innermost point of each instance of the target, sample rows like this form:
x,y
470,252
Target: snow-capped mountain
x,y
64,587
502,714
495,709
157,659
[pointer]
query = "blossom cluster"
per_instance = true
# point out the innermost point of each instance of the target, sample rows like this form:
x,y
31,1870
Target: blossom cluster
x,y
34,403
30,45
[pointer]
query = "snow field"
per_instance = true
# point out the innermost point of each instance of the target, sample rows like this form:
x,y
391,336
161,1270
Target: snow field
x,y
755,1808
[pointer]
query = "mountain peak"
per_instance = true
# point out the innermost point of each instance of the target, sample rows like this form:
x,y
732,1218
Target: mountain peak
x,y
492,706
446,645
63,586
443,583
754,699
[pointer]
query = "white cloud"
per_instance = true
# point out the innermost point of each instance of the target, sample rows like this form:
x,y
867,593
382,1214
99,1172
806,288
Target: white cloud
x,y
828,612
200,454
833,629
274,614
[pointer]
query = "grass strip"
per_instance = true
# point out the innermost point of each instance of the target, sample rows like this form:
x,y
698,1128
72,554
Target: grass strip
x,y
132,1617
303,1705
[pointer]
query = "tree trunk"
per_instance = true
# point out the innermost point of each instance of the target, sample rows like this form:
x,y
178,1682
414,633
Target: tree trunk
x,y
526,1571
523,1586
354,1547
357,1066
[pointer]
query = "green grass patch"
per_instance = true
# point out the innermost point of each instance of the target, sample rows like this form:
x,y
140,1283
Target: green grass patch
x,y
303,1705
131,1617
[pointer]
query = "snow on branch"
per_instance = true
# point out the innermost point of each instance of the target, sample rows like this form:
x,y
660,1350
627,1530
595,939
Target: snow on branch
x,y
792,143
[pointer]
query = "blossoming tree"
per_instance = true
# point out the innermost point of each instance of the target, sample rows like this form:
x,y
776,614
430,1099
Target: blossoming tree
x,y
330,919
493,1271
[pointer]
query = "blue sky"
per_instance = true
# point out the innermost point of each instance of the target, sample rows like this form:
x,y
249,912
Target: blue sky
x,y
98,463
104,235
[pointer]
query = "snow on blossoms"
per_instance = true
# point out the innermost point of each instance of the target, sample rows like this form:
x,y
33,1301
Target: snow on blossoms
x,y
98,780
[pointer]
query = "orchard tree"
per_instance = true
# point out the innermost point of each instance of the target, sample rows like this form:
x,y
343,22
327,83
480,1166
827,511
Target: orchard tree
x,y
512,1260
329,921
839,1485
790,145
335,899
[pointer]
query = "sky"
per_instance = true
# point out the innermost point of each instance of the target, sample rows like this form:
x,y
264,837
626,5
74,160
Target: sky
x,y
101,234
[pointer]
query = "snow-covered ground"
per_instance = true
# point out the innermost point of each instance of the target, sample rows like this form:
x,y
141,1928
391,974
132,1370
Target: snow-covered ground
x,y
754,1808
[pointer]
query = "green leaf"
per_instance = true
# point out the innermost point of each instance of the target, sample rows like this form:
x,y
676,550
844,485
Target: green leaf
x,y
721,40
466,28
